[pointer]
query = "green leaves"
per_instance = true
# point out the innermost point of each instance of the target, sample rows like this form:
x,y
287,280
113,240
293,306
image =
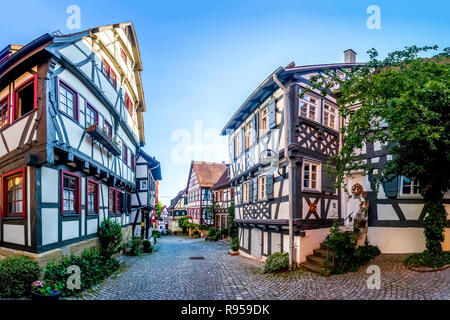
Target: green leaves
x,y
110,235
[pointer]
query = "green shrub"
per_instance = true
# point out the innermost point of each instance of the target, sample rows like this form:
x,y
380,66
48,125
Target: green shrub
x,y
94,267
276,262
345,255
110,235
212,232
156,234
428,259
147,245
16,276
135,247
235,244
223,231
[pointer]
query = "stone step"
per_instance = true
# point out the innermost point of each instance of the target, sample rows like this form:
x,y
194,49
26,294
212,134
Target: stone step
x,y
323,246
321,252
314,268
319,261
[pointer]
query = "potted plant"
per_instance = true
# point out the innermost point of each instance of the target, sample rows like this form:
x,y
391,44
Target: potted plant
x,y
45,290
147,246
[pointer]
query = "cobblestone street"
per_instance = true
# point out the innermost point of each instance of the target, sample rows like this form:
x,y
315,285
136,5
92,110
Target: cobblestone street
x,y
168,273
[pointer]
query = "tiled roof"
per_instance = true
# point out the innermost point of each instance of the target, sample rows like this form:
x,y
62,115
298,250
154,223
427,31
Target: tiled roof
x,y
208,172
224,180
176,199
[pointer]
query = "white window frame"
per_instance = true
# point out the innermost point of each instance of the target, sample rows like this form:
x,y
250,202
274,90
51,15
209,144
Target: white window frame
x,y
318,175
141,187
306,100
412,185
245,192
327,113
264,115
262,188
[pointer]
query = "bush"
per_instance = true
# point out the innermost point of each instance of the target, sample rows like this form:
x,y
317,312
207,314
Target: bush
x,y
147,245
223,231
135,247
110,235
428,259
156,234
345,256
212,232
16,276
94,267
276,262
235,244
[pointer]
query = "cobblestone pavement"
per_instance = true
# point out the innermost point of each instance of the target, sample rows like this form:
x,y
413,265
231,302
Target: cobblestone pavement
x,y
168,273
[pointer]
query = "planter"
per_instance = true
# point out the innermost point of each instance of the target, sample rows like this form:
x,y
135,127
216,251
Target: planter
x,y
38,297
233,253
97,134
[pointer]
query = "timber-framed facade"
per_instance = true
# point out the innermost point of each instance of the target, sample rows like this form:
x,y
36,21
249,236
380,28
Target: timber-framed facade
x,y
72,124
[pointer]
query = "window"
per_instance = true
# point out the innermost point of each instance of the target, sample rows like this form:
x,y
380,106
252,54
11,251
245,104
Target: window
x,y
125,154
119,202
68,101
4,114
25,98
128,202
262,187
70,193
308,107
143,185
248,135
237,145
91,116
245,190
111,200
109,74
133,161
108,128
129,103
310,175
330,116
123,55
13,185
92,196
409,187
263,121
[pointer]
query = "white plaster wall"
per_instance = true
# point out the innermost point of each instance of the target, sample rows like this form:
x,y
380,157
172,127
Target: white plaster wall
x,y
49,225
91,226
311,240
70,230
49,177
14,234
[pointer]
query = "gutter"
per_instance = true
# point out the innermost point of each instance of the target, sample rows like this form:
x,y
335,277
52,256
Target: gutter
x,y
287,142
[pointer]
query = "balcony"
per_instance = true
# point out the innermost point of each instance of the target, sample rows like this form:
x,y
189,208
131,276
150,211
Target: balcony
x,y
99,135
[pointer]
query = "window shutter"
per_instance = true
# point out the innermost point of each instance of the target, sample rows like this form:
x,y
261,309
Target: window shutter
x,y
327,181
241,141
254,126
390,186
255,189
272,113
269,186
231,144
250,191
124,202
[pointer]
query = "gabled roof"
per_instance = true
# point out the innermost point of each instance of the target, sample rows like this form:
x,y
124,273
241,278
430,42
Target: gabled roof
x,y
175,200
268,87
154,165
224,180
207,172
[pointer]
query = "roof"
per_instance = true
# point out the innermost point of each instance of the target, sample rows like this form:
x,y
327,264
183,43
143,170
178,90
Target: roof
x,y
224,180
208,172
155,166
268,87
175,200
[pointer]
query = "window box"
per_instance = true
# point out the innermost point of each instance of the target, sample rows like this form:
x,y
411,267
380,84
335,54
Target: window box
x,y
99,135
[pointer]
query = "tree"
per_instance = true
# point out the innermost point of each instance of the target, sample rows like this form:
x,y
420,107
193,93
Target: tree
x,y
403,104
158,210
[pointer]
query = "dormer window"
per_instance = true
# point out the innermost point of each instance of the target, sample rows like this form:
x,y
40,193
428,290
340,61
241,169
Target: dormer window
x,y
308,107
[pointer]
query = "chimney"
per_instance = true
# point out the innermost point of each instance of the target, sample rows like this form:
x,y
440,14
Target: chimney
x,y
349,56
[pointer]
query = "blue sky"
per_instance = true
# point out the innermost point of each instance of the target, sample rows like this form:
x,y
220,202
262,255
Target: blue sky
x,y
203,58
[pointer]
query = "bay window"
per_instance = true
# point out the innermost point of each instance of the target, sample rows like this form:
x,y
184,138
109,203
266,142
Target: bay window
x,y
330,116
308,107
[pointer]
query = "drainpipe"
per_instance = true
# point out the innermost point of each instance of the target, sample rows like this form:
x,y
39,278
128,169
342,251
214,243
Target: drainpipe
x,y
287,142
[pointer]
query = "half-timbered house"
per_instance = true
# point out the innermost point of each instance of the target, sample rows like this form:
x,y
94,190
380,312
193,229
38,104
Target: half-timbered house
x,y
202,175
143,200
274,117
223,196
177,209
71,109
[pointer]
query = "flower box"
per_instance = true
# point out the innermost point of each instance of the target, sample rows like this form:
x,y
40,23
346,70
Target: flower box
x,y
97,134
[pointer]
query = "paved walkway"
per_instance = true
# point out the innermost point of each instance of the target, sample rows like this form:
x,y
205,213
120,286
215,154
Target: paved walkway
x,y
168,273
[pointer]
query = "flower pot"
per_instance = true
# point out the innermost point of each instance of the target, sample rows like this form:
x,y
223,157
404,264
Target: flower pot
x,y
38,297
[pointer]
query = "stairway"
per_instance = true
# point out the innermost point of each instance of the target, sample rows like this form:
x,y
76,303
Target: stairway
x,y
315,263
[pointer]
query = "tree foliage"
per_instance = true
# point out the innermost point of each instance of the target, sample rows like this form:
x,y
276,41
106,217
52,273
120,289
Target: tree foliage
x,y
402,102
